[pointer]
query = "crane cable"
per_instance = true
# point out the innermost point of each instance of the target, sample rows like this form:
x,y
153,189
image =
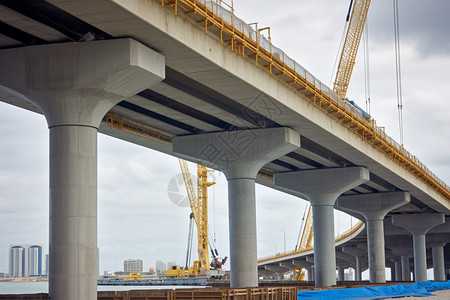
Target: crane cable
x,y
341,44
398,71
366,65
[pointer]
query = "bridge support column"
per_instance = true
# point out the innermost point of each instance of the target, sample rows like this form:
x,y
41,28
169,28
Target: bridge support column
x,y
341,273
374,208
322,187
74,85
418,225
392,274
310,271
398,270
406,268
239,155
438,262
358,253
437,243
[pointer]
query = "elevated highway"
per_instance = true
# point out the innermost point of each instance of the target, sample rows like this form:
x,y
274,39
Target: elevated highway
x,y
179,78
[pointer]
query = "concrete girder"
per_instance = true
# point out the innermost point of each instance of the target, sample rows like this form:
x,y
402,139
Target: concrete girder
x,y
75,85
374,208
239,154
347,257
418,225
322,187
301,263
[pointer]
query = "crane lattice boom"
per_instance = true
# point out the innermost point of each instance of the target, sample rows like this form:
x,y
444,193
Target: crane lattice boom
x,y
199,207
351,44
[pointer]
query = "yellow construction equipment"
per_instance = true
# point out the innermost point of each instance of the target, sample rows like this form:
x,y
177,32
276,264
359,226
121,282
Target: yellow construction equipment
x,y
351,44
133,277
199,207
299,274
306,240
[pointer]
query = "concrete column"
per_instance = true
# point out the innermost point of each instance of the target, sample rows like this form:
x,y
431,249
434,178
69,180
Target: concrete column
x,y
406,270
239,154
437,243
74,85
438,263
358,270
374,208
358,253
398,270
322,187
309,273
418,225
341,273
312,277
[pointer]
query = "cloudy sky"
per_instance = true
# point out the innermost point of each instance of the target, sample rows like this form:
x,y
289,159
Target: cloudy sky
x,y
136,217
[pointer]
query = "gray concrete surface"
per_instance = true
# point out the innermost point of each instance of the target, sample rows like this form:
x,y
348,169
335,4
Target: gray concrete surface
x,y
374,208
419,225
240,155
74,85
322,188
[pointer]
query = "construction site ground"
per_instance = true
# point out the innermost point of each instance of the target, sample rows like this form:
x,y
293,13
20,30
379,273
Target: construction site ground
x,y
286,290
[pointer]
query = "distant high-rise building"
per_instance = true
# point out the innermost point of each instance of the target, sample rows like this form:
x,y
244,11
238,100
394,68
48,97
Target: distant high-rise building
x,y
133,266
17,261
47,270
35,260
160,267
25,260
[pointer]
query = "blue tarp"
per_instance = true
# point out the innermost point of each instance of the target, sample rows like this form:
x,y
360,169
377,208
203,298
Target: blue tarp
x,y
378,292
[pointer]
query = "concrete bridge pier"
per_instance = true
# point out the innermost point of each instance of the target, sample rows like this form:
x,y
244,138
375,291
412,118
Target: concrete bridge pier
x,y
74,85
438,262
341,273
239,154
418,225
437,243
374,208
406,268
358,253
310,270
398,270
322,187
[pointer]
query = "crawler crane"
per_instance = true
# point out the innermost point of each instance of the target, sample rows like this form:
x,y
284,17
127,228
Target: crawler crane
x,y
199,214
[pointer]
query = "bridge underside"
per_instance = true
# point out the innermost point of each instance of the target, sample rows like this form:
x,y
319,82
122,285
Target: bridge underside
x,y
209,88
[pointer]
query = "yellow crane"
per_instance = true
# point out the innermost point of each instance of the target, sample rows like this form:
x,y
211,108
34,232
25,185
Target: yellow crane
x,y
357,16
199,208
199,214
306,240
357,19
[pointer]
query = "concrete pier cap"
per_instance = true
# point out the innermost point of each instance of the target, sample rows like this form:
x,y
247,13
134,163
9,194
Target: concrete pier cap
x,y
322,187
75,85
374,208
418,225
239,154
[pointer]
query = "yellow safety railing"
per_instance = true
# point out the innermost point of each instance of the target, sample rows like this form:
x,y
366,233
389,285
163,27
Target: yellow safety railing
x,y
339,238
242,41
122,123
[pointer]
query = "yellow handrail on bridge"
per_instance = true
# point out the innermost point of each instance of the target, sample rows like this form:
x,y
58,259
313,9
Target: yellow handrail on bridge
x,y
340,237
319,94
